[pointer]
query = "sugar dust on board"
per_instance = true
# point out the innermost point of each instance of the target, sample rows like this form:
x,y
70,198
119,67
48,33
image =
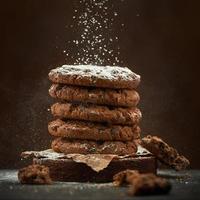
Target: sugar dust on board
x,y
96,41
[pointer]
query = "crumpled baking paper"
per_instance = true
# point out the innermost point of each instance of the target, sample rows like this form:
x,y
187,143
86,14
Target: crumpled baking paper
x,y
97,162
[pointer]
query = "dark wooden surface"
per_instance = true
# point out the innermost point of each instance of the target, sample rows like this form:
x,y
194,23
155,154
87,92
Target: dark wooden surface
x,y
185,185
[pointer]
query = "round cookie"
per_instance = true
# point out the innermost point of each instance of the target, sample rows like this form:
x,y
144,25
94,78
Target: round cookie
x,y
62,145
113,115
101,96
96,76
93,131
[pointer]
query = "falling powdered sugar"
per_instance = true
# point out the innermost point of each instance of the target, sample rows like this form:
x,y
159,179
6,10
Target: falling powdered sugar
x,y
96,40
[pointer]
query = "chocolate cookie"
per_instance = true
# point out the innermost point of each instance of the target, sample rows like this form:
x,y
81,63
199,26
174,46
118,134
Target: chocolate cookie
x,y
92,131
103,96
62,145
96,76
112,115
142,184
34,174
164,152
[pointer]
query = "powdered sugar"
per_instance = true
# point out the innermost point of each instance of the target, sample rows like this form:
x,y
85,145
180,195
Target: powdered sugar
x,y
96,29
50,154
99,72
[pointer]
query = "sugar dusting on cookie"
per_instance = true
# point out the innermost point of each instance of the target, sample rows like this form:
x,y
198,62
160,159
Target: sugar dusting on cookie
x,y
101,72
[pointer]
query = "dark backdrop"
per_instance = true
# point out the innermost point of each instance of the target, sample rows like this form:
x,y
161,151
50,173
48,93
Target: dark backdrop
x,y
160,44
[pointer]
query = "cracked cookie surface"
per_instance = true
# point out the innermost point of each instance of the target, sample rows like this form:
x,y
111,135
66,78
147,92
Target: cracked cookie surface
x,y
99,96
93,131
104,114
62,145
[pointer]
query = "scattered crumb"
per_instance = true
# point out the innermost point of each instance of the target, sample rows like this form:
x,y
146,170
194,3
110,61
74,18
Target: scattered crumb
x,y
34,174
124,177
142,184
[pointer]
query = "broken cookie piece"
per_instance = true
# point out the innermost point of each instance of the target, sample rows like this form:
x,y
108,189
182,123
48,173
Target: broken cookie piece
x,y
124,177
34,174
148,184
165,153
142,184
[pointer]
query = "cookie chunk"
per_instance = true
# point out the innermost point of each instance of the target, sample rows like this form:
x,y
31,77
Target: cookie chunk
x,y
62,145
92,131
103,96
96,76
34,174
148,184
142,184
124,177
165,153
112,115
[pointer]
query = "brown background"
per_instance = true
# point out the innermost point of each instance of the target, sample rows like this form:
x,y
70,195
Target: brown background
x,y
160,44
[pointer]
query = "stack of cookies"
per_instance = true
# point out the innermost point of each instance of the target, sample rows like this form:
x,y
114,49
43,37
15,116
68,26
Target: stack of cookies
x,y
95,111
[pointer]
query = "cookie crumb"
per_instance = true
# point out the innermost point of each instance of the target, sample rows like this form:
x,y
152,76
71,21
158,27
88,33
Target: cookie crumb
x,y
124,177
148,184
34,174
142,184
